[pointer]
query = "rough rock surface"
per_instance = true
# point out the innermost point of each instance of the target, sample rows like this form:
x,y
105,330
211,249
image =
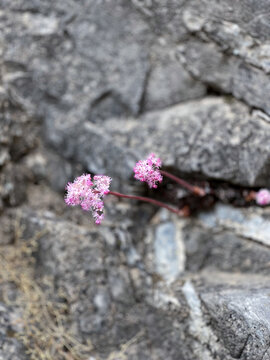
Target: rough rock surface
x,y
10,348
245,331
119,293
214,137
94,86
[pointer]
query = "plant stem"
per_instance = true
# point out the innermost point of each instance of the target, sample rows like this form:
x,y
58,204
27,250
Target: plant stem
x,y
149,200
195,189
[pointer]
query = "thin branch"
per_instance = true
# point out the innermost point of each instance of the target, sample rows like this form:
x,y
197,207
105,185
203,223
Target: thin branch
x,y
149,200
195,189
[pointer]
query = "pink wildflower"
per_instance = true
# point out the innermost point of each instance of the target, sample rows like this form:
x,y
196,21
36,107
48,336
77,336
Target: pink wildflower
x,y
102,183
263,197
89,194
148,170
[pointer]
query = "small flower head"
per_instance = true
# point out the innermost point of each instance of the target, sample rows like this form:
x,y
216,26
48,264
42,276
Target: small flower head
x,y
148,170
102,183
89,194
263,197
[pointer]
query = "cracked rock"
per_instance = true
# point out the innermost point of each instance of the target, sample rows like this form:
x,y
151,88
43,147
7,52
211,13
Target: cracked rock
x,y
240,318
215,137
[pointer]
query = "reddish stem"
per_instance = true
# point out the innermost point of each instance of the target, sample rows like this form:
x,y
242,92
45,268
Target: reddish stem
x,y
152,201
195,189
251,195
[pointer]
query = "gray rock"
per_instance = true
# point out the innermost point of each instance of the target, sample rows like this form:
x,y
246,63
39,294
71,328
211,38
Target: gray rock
x,y
75,75
165,18
52,71
251,223
48,166
106,297
228,49
166,247
228,239
95,86
249,16
227,74
229,314
166,251
224,251
18,137
206,342
240,317
214,137
6,226
168,82
115,301
61,77
10,347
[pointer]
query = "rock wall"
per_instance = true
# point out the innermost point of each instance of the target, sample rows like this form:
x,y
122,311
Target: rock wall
x,y
93,86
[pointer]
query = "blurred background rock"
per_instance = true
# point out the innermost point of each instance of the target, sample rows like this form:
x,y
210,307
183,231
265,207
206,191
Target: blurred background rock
x,y
93,86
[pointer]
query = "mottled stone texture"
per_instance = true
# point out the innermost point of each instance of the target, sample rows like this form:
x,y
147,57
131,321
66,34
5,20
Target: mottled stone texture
x,y
96,85
10,348
215,137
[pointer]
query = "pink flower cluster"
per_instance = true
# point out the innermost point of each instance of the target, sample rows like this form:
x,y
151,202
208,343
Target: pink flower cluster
x,y
89,194
263,197
148,170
